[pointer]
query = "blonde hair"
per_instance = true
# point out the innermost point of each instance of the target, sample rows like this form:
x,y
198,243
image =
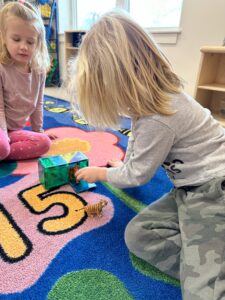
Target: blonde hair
x,y
121,71
26,12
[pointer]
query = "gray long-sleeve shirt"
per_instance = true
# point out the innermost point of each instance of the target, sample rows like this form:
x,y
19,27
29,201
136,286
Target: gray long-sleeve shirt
x,y
190,145
21,98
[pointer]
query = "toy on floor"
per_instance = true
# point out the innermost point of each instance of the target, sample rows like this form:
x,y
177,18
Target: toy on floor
x,y
95,209
55,171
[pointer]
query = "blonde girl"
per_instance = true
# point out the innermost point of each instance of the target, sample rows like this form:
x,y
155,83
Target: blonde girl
x,y
24,60
121,71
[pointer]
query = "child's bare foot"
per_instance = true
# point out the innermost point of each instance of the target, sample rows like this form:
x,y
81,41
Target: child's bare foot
x,y
114,163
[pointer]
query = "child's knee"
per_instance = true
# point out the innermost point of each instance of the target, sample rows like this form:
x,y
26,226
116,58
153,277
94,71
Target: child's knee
x,y
46,143
132,236
4,150
141,236
43,145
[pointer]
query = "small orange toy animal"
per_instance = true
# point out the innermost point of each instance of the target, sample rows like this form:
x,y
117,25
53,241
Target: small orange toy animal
x,y
95,209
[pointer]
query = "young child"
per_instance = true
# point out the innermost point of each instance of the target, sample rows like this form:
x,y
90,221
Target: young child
x,y
120,71
24,60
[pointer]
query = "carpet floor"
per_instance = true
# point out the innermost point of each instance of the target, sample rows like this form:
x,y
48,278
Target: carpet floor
x,y
49,250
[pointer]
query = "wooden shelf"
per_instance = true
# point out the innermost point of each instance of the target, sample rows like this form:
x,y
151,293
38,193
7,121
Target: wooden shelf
x,y
213,87
210,87
219,118
213,49
72,40
71,48
75,30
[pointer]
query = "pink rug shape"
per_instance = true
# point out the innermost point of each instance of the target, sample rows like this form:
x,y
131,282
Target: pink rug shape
x,y
35,225
98,146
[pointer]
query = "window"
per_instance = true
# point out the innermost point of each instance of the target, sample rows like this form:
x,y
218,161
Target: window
x,y
160,17
156,13
148,13
88,11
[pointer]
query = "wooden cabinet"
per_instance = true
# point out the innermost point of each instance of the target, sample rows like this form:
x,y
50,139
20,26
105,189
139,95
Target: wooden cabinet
x,y
73,39
210,89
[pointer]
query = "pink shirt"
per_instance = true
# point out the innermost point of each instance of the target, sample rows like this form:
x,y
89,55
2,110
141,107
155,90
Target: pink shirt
x,y
21,98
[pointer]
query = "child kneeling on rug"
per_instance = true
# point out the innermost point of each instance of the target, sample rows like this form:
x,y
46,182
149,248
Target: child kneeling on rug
x,y
120,71
24,60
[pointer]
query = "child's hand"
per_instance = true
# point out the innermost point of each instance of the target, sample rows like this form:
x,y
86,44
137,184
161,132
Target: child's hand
x,y
115,163
91,174
52,136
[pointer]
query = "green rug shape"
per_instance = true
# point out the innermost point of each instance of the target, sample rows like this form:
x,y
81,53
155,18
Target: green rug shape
x,y
131,202
149,270
89,284
6,168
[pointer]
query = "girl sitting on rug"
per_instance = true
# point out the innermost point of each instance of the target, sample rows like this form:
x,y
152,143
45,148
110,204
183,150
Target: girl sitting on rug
x,y
121,71
24,60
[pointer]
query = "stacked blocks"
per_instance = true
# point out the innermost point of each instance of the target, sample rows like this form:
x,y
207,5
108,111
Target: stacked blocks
x,y
58,170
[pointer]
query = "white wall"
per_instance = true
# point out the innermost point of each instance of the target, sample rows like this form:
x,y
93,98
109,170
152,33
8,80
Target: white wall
x,y
202,24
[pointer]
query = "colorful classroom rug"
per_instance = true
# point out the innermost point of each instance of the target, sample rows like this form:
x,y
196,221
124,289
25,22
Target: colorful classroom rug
x,y
51,250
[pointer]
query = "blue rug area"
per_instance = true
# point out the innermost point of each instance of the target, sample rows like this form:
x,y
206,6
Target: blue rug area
x,y
47,251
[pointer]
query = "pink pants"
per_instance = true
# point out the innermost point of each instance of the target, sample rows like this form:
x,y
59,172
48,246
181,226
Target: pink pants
x,y
23,144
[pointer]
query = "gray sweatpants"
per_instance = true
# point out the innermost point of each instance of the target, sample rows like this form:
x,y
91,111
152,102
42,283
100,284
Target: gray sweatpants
x,y
183,235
